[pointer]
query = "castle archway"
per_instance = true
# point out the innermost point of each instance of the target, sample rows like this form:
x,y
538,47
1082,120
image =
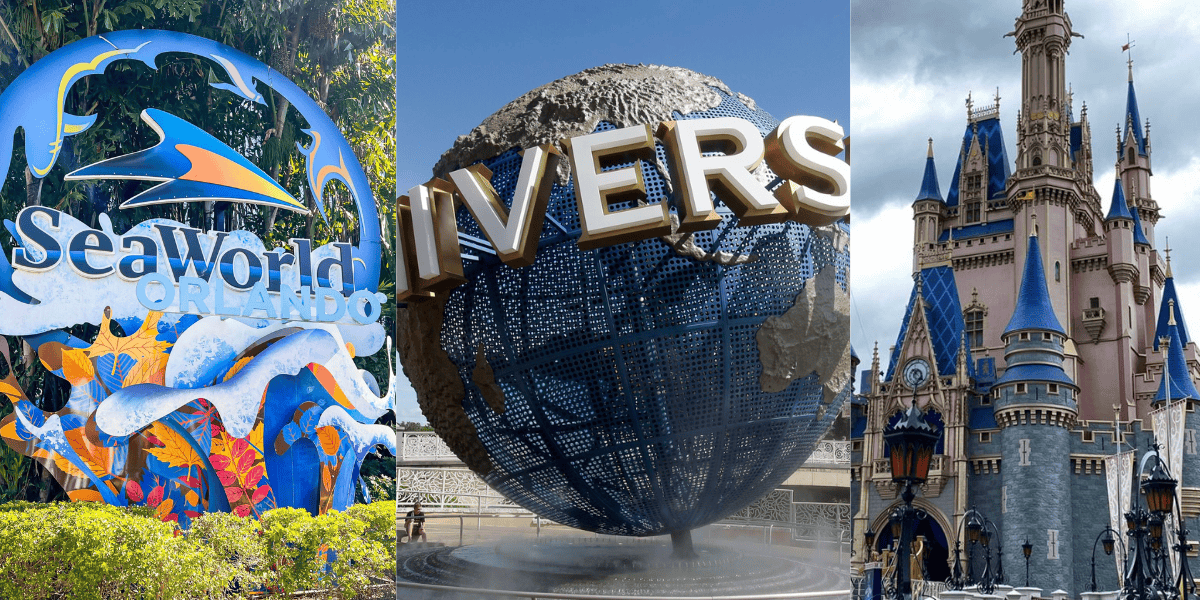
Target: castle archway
x,y
931,531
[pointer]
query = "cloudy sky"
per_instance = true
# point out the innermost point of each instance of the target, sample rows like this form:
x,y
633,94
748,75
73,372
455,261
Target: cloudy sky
x,y
912,65
458,62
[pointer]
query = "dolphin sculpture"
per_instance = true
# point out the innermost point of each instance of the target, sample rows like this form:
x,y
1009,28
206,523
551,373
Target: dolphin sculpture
x,y
192,165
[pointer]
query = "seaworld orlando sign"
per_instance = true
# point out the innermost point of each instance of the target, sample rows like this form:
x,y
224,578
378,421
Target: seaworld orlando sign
x,y
228,281
230,384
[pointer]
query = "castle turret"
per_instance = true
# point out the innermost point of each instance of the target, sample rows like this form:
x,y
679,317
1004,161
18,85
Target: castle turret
x,y
1142,250
1119,232
1035,407
1176,383
927,209
1046,185
1133,162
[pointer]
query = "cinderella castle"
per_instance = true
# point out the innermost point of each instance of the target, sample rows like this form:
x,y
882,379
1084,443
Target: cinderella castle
x,y
1043,336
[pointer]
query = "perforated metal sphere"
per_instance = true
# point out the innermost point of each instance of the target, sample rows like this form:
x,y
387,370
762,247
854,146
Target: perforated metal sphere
x,y
645,387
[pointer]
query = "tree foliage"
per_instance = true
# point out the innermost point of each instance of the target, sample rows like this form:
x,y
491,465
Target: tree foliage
x,y
342,52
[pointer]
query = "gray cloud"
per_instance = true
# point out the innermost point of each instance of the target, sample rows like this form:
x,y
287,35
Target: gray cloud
x,y
912,65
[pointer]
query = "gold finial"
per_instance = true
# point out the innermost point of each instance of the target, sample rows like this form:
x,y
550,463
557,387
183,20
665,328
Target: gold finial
x,y
1171,308
1033,229
1128,47
929,154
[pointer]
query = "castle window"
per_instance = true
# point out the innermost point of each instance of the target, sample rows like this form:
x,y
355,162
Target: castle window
x,y
973,324
1046,336
1057,271
973,212
985,437
1089,435
1021,388
1130,155
1024,336
1094,302
1053,388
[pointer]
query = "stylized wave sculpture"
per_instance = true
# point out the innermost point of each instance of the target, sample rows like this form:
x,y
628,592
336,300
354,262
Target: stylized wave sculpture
x,y
126,439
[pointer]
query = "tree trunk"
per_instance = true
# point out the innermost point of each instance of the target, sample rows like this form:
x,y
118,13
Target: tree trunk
x,y
33,189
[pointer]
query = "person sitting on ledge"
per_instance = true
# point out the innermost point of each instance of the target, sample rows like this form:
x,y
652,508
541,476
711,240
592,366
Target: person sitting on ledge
x,y
414,523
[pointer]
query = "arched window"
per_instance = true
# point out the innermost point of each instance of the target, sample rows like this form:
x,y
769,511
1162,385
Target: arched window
x,y
1057,271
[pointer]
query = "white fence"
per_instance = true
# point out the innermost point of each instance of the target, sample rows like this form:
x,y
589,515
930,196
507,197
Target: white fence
x,y
457,489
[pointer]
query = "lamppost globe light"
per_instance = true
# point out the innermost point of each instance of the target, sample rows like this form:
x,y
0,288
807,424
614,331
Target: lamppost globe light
x,y
1107,542
974,526
1159,489
911,442
869,541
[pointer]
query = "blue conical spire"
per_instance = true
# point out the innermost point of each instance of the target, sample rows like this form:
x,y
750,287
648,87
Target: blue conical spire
x,y
1170,309
1139,237
929,185
1118,209
1180,380
1034,310
1132,119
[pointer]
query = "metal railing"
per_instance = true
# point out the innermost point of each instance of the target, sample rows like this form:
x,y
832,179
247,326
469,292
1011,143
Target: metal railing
x,y
825,536
564,596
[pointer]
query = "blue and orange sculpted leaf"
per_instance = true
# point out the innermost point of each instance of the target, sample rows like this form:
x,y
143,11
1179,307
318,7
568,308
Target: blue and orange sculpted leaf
x,y
10,389
137,358
97,458
173,450
330,439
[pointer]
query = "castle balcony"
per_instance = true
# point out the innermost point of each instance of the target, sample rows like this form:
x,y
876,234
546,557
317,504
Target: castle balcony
x,y
1093,322
941,470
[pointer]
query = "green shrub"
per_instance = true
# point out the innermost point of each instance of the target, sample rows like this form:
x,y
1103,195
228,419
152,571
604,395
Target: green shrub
x,y
301,547
91,551
380,518
238,546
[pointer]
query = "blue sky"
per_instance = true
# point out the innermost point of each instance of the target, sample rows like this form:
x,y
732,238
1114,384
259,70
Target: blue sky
x,y
458,62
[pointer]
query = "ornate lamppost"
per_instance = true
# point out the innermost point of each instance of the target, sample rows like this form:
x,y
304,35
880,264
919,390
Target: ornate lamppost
x,y
1109,541
976,526
1027,549
911,442
1144,578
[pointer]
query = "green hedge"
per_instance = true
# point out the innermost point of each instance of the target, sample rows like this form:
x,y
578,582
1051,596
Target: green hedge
x,y
91,550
